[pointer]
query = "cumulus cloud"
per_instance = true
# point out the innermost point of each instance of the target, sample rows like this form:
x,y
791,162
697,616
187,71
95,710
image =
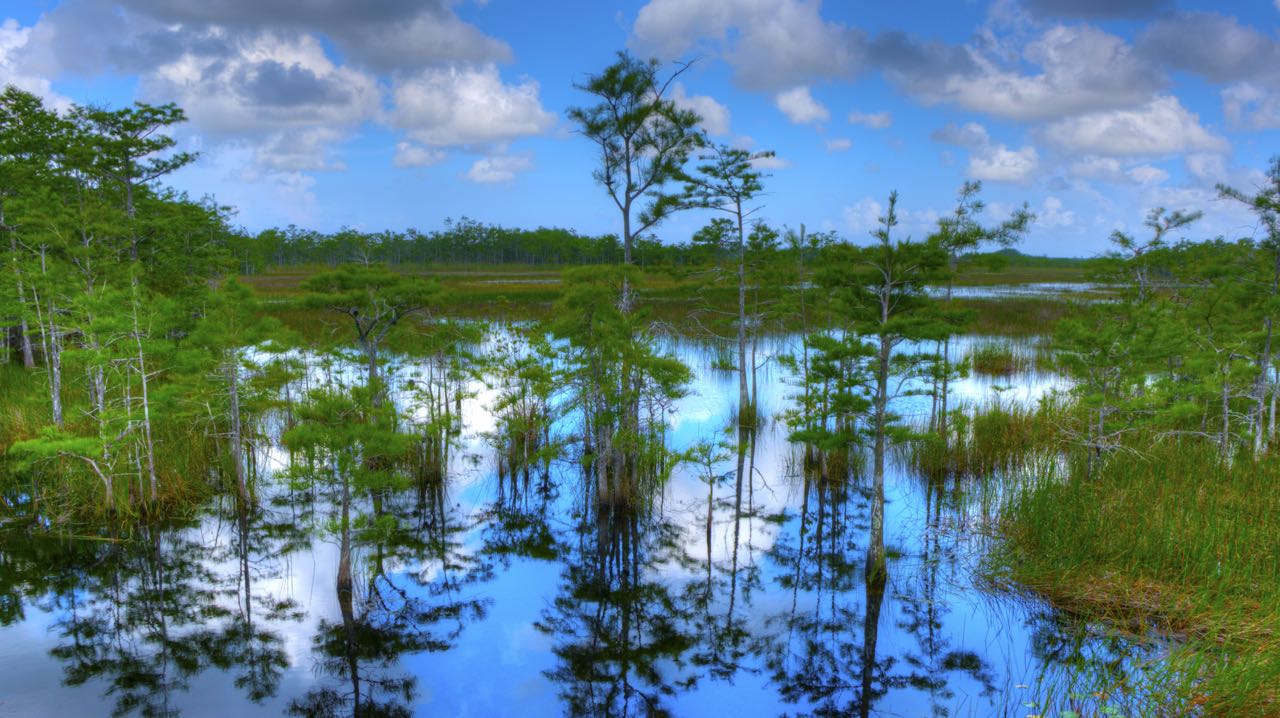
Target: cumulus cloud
x,y
1052,214
1161,126
839,144
499,168
863,216
715,116
998,163
1110,169
771,44
1147,175
988,160
873,120
282,93
265,74
14,43
1250,106
1213,46
466,106
1082,68
380,34
800,107
409,154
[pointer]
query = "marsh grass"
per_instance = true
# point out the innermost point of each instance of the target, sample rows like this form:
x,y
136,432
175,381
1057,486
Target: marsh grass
x,y
1001,359
992,438
1014,316
1167,536
671,295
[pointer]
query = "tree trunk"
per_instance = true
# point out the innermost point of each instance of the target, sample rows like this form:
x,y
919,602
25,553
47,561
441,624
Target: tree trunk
x,y
24,334
237,441
744,396
146,400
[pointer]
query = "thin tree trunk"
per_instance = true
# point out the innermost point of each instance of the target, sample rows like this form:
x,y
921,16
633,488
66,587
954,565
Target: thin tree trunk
x,y
744,396
237,445
24,333
146,401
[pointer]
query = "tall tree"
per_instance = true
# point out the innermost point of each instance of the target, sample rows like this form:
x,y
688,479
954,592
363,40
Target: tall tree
x,y
960,233
644,140
727,181
1265,203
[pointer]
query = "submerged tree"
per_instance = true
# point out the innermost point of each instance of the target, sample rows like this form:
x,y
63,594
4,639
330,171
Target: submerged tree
x,y
728,181
376,300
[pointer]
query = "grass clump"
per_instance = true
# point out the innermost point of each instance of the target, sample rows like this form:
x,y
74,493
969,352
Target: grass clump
x,y
1168,536
992,438
999,359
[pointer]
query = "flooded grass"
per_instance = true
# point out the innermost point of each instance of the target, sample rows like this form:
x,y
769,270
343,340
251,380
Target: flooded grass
x,y
1172,538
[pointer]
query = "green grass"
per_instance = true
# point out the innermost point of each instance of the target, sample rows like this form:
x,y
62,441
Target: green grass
x,y
994,438
1168,536
518,292
999,359
1014,316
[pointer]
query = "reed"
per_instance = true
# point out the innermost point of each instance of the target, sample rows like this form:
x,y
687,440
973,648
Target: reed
x,y
1166,534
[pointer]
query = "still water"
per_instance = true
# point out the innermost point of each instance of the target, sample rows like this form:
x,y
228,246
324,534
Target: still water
x,y
500,595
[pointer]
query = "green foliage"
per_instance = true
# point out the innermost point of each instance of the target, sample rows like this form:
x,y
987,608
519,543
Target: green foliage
x,y
643,137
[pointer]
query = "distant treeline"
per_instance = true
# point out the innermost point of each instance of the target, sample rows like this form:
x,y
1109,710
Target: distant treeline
x,y
471,242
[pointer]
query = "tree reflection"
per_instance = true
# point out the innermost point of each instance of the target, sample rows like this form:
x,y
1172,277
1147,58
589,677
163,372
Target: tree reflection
x,y
620,633
145,614
387,614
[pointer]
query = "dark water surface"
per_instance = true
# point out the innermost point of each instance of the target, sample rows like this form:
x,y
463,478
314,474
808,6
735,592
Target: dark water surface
x,y
505,596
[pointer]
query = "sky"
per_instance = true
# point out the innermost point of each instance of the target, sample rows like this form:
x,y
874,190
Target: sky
x,y
390,114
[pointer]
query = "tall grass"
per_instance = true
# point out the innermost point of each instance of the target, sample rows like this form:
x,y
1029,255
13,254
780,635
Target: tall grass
x,y
991,438
1171,535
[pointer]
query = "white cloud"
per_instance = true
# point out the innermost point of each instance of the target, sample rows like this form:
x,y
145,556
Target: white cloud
x,y
1147,175
873,120
863,216
409,154
839,144
1110,169
1052,214
1082,69
998,163
1161,126
800,107
467,106
14,44
1251,107
715,116
771,44
499,168
772,162
1095,167
283,94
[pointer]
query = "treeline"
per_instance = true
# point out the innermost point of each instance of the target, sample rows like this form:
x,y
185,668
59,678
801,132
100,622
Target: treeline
x,y
470,242
465,241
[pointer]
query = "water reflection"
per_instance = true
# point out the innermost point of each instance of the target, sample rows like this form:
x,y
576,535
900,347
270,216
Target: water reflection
x,y
751,584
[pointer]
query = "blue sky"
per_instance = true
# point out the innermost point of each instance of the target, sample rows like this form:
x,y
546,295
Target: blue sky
x,y
383,114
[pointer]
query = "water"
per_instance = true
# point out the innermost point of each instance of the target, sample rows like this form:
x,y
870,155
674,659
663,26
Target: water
x,y
496,597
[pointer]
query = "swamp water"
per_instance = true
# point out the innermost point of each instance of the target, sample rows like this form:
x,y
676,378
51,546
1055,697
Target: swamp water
x,y
502,595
